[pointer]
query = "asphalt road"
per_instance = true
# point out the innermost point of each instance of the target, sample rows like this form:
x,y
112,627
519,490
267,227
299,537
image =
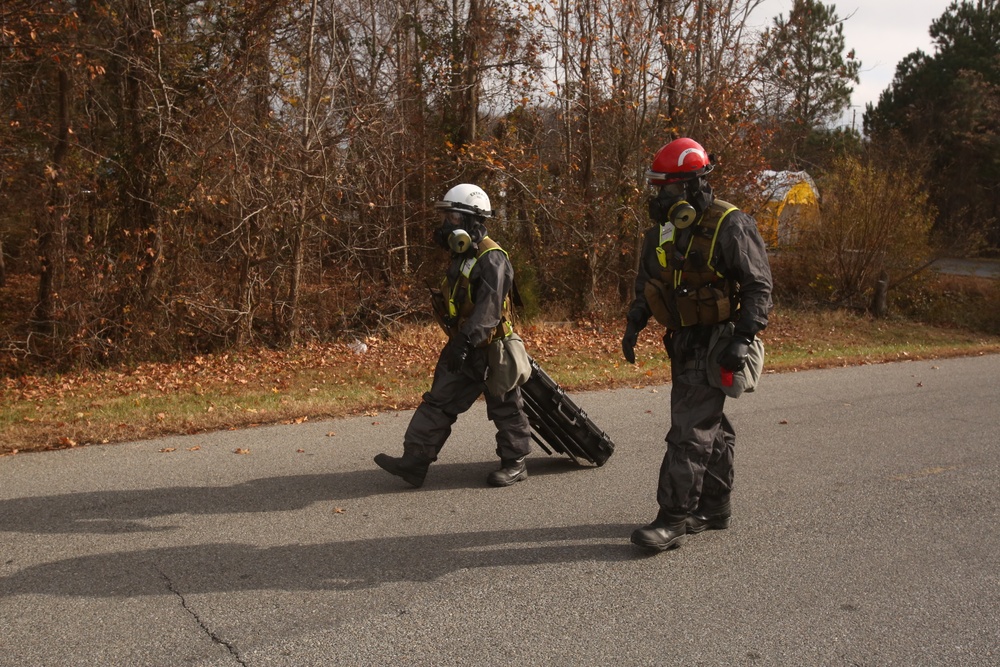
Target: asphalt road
x,y
864,533
981,268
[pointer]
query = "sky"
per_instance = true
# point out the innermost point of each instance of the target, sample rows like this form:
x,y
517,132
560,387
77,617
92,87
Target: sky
x,y
881,32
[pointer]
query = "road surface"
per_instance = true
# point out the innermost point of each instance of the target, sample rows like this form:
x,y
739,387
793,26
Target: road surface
x,y
864,533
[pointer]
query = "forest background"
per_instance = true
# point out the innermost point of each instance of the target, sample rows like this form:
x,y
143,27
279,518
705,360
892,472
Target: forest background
x,y
185,180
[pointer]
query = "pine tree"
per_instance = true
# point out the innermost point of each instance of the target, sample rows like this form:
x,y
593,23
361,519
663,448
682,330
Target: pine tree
x,y
812,74
946,106
809,79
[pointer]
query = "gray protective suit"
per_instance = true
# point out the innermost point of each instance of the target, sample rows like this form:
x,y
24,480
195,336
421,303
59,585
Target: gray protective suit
x,y
697,470
451,394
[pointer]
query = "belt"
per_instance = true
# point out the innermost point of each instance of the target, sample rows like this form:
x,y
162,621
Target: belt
x,y
694,364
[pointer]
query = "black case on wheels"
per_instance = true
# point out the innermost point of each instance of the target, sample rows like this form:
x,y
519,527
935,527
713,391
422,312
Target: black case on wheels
x,y
558,424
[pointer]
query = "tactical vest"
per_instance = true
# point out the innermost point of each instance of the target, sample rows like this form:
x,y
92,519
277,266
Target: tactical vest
x,y
689,290
453,302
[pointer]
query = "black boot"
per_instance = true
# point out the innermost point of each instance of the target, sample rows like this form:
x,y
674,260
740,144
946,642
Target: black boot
x,y
411,466
511,471
709,517
666,532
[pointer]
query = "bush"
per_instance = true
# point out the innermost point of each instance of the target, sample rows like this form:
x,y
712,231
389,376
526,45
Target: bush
x,y
965,302
874,224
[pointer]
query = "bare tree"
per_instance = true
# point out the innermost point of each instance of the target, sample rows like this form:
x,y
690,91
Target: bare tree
x,y
263,172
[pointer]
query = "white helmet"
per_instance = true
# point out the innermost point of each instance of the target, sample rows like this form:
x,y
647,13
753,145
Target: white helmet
x,y
466,198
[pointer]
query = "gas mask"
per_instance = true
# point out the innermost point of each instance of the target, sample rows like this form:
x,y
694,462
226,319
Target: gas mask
x,y
452,234
671,205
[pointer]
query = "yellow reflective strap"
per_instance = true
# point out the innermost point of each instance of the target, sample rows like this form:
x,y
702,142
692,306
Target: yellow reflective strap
x,y
471,262
711,253
452,309
465,271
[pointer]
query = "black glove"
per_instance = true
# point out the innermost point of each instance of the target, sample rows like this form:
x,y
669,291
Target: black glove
x,y
734,357
458,351
629,340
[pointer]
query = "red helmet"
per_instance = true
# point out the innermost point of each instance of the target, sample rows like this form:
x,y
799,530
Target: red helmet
x,y
680,160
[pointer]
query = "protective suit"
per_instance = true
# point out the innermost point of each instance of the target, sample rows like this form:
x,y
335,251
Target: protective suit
x,y
703,264
473,307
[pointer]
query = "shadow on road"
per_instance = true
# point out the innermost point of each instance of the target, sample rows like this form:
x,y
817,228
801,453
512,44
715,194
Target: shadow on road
x,y
343,566
111,512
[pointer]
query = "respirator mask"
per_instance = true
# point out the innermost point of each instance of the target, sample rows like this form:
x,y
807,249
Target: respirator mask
x,y
452,234
671,205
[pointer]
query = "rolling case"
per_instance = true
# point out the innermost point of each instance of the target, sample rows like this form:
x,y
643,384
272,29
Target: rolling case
x,y
558,424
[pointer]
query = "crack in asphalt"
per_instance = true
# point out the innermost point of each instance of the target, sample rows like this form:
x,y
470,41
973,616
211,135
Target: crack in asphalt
x,y
214,637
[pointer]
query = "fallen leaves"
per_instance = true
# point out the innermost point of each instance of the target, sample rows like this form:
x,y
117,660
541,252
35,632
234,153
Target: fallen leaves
x,y
234,390
241,450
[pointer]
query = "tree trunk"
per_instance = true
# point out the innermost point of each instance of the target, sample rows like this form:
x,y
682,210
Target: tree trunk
x,y
880,300
302,208
50,223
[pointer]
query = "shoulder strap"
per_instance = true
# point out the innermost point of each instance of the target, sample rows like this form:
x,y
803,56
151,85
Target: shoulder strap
x,y
486,245
707,233
722,209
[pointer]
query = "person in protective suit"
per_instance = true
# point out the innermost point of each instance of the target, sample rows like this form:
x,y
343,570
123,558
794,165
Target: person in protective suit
x,y
703,265
473,306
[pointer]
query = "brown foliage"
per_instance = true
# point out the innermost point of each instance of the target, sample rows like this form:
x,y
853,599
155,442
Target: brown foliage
x,y
191,178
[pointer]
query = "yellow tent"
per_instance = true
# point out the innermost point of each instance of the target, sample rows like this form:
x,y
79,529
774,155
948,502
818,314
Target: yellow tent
x,y
791,199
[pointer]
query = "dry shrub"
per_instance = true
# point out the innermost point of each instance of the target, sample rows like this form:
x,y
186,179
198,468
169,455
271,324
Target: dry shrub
x,y
874,224
966,302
